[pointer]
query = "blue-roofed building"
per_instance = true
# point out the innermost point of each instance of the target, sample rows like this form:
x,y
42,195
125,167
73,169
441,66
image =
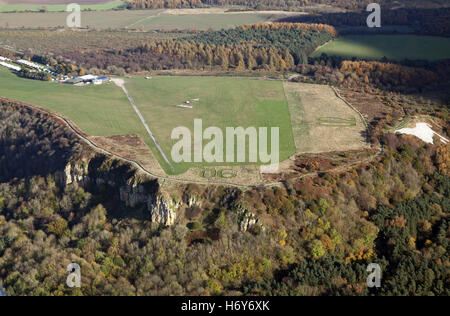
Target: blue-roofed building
x,y
100,80
88,79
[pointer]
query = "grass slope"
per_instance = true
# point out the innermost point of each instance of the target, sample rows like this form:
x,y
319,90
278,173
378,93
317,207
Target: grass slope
x,y
395,47
97,110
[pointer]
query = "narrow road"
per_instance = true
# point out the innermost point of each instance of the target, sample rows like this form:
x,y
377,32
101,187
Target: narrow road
x,y
121,83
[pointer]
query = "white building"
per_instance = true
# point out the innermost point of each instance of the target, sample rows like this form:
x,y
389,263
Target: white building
x,y
4,59
87,78
10,66
29,64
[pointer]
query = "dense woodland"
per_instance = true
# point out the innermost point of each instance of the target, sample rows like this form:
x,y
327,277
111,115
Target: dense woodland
x,y
313,236
35,75
276,4
275,47
420,21
412,248
317,237
384,75
300,40
27,138
254,4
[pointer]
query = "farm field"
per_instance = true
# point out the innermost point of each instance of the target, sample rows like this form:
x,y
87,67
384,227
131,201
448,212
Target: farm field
x,y
46,41
58,5
321,122
199,22
98,110
395,47
223,102
142,20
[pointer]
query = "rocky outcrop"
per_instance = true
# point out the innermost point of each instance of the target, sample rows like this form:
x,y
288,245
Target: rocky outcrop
x,y
194,201
72,162
73,173
133,190
163,210
247,220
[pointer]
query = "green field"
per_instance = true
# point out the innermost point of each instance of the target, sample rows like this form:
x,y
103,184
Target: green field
x,y
199,21
105,111
97,110
395,47
224,102
58,7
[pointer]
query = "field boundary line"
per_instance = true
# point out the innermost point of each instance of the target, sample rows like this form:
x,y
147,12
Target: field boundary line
x,y
350,105
356,110
319,47
142,20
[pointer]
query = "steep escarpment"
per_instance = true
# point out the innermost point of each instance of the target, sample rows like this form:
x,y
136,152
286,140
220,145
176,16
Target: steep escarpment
x,y
135,235
122,184
34,144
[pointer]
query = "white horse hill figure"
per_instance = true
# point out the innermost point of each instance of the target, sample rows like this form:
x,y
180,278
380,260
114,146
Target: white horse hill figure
x,y
424,132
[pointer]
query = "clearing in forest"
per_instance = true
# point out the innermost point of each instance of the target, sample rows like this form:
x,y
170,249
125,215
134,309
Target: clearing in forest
x,y
397,47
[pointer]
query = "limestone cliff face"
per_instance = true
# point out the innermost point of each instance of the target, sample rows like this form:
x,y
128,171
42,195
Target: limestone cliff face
x,y
194,201
133,195
248,220
73,173
163,210
133,188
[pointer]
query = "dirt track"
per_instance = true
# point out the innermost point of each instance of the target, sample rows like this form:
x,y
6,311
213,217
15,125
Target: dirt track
x,y
121,83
